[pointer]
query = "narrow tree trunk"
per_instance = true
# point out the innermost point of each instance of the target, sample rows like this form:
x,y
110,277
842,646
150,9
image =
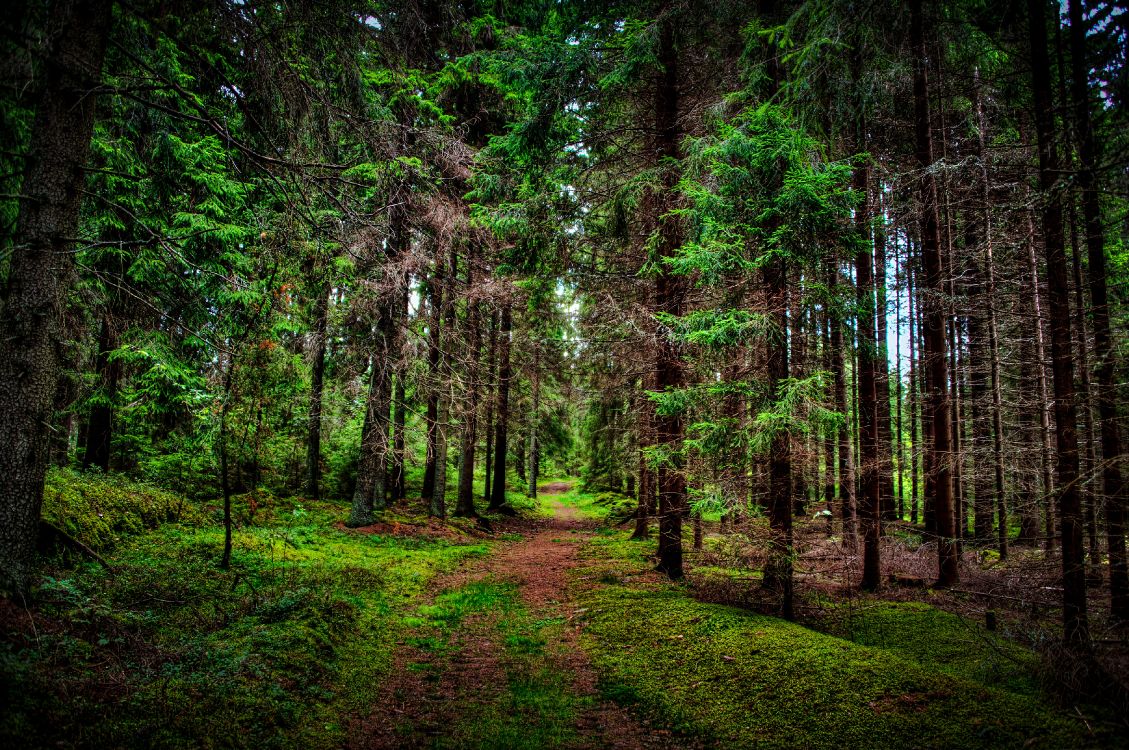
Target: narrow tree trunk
x,y
501,426
936,362
464,505
1075,625
100,427
1113,486
535,424
317,387
490,385
40,272
869,507
882,369
838,368
434,377
396,489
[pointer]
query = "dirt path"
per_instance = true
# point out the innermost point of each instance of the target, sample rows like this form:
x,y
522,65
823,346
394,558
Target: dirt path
x,y
431,694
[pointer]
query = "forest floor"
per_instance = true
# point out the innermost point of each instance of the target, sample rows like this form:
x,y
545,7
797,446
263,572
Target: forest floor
x,y
553,631
512,674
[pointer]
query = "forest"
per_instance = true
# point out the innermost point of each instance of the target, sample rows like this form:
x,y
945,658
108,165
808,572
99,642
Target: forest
x,y
631,374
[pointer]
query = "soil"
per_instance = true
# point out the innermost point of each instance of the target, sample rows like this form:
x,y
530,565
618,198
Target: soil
x,y
426,694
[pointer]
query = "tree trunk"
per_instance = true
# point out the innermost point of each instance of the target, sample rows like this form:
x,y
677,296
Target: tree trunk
x,y
501,425
933,320
669,298
1113,486
534,423
464,505
317,387
434,376
491,383
100,427
838,367
869,507
1075,625
40,273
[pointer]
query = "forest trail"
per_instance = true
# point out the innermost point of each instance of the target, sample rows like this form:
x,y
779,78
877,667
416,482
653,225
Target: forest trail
x,y
511,672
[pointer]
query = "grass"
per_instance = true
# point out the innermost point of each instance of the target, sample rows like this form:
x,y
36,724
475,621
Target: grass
x,y
173,652
907,677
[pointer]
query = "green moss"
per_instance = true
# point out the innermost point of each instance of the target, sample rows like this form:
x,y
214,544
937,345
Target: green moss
x,y
745,680
171,651
103,510
938,640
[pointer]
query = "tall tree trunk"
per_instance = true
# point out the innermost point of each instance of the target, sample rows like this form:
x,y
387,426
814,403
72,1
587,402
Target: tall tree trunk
x,y
100,427
501,425
1075,625
464,505
491,384
40,272
869,507
317,387
396,489
936,362
434,377
1113,486
535,423
838,368
913,310
882,368
669,298
446,366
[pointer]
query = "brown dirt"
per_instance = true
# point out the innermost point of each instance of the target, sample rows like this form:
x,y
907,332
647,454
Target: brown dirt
x,y
426,694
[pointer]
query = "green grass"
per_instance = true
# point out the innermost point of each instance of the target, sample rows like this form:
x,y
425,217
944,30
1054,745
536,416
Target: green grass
x,y
173,652
746,680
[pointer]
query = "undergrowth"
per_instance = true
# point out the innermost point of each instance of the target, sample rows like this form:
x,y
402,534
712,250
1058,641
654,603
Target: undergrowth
x,y
170,651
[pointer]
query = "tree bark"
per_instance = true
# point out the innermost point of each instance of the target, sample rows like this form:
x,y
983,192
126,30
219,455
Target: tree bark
x,y
669,298
40,273
317,387
933,319
869,508
1113,486
100,424
501,425
464,504
1075,625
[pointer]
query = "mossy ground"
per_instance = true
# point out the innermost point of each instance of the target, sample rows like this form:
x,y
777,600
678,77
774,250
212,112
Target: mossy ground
x,y
293,645
171,651
903,675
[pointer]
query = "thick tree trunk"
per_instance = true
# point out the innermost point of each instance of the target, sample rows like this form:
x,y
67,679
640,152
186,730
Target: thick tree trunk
x,y
1113,486
40,272
882,370
1075,625
936,362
